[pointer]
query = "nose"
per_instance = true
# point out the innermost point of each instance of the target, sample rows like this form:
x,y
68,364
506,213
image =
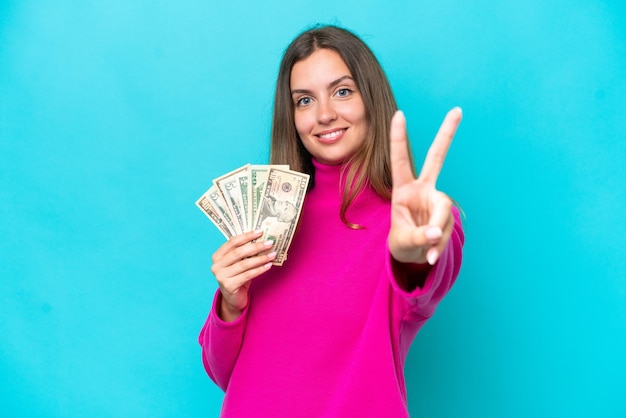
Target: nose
x,y
326,112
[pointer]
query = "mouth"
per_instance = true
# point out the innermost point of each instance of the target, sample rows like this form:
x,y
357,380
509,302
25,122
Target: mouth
x,y
330,137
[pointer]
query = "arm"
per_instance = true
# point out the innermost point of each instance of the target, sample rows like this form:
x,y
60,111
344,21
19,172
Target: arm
x,y
221,342
423,286
235,264
425,237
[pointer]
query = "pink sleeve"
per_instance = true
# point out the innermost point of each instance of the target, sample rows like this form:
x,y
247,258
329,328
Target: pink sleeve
x,y
421,302
220,343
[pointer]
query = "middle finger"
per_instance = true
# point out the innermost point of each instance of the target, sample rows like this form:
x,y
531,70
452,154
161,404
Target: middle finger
x,y
439,148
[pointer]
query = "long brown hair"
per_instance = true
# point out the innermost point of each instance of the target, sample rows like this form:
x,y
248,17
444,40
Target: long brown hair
x,y
371,163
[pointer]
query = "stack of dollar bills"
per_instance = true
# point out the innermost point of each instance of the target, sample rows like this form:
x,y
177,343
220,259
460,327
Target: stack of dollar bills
x,y
257,197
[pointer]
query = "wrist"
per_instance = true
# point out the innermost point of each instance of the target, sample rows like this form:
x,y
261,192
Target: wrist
x,y
227,312
410,275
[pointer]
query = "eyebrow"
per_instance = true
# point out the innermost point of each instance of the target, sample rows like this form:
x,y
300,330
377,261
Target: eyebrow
x,y
330,85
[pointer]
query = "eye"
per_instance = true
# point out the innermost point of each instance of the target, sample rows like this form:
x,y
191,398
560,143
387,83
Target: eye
x,y
343,92
303,101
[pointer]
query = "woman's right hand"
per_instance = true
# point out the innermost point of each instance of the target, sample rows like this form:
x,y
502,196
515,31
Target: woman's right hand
x,y
235,264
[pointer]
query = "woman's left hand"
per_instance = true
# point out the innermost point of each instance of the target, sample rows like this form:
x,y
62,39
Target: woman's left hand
x,y
421,217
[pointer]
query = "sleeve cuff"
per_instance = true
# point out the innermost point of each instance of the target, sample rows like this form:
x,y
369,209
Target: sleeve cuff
x,y
215,317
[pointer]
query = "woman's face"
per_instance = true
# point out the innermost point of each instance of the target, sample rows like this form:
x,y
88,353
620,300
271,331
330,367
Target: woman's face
x,y
329,111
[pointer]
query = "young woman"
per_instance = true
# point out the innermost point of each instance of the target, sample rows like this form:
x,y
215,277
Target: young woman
x,y
327,333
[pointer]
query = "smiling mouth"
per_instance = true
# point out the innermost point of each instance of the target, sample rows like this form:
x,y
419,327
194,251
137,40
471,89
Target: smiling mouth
x,y
331,136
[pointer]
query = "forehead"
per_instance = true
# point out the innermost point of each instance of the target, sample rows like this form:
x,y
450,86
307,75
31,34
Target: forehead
x,y
321,67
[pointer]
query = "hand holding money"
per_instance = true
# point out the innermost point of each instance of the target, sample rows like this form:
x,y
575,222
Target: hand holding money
x,y
235,264
267,198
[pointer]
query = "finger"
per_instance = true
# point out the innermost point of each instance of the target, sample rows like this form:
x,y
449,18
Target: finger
x,y
236,241
243,252
433,254
232,276
401,168
248,269
439,148
234,289
441,212
405,236
405,244
439,226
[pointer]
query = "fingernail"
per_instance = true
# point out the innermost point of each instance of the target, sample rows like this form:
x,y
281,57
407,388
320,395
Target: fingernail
x,y
272,255
258,231
432,256
434,232
268,243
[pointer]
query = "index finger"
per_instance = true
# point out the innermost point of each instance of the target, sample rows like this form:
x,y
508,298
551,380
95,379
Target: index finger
x,y
236,241
401,167
439,148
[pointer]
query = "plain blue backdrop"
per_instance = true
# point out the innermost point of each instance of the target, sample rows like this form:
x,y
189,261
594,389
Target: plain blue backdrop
x,y
115,116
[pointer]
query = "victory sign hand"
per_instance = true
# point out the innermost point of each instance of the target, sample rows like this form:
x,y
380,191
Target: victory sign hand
x,y
421,217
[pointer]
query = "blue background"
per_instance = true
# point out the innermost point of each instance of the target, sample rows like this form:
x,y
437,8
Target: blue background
x,y
115,116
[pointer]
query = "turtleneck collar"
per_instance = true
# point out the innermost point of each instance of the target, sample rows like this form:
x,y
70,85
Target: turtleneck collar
x,y
328,180
332,178
325,173
327,195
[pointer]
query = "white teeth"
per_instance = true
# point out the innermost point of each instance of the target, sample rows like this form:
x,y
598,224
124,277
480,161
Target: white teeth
x,y
332,135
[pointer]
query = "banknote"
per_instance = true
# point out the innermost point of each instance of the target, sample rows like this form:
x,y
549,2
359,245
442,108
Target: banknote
x,y
258,175
234,189
280,208
205,205
266,197
219,206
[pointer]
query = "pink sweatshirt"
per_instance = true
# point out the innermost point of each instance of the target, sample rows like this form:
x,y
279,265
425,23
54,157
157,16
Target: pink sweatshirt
x,y
327,333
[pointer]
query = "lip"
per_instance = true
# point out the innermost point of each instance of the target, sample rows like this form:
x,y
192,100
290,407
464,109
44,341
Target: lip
x,y
330,136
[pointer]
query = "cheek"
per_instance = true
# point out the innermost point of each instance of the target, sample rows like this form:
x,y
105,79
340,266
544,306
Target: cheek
x,y
303,124
359,115
354,113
